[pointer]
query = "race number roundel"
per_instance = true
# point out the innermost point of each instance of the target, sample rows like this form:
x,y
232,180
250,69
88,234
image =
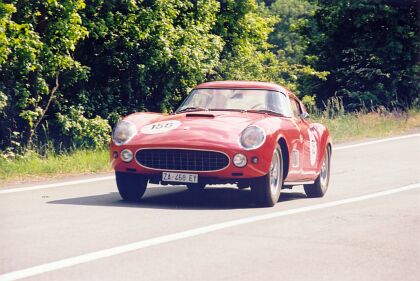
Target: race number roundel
x,y
160,127
313,149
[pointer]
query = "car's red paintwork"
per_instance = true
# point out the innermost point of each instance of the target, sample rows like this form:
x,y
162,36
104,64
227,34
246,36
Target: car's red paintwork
x,y
220,130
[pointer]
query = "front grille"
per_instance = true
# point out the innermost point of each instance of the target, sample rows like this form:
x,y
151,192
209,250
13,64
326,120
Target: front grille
x,y
182,159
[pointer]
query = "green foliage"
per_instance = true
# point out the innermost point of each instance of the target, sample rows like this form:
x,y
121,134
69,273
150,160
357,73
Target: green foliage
x,y
38,40
286,62
69,68
244,28
115,57
293,15
81,132
309,102
32,165
3,102
357,125
371,49
145,55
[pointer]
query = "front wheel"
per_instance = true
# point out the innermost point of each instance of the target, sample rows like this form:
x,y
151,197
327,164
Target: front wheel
x,y
267,188
131,186
319,188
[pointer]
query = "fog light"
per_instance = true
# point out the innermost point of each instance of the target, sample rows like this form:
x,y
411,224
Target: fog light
x,y
239,160
126,155
254,160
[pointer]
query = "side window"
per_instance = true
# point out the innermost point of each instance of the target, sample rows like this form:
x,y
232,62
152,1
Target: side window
x,y
278,102
295,108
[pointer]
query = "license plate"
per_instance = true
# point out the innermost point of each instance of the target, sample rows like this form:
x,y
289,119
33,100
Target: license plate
x,y
179,177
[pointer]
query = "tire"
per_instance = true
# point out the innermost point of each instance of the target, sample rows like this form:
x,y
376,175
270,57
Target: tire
x,y
267,189
196,187
131,186
319,188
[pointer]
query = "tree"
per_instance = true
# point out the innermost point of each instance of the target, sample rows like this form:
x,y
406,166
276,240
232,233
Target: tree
x,y
371,49
289,44
144,55
38,40
69,64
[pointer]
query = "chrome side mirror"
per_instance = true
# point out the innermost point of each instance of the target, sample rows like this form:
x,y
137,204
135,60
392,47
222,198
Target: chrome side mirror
x,y
304,115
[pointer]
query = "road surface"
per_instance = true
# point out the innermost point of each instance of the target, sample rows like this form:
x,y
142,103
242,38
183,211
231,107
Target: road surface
x,y
367,227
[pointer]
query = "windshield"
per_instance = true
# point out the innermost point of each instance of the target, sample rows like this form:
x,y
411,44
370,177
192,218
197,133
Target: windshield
x,y
236,99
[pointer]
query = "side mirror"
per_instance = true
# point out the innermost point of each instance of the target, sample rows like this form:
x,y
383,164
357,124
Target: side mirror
x,y
304,115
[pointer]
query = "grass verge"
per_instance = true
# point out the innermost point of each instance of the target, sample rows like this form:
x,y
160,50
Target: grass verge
x,y
345,127
34,166
358,126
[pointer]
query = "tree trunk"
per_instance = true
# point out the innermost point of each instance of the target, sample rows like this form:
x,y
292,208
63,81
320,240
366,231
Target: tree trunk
x,y
53,91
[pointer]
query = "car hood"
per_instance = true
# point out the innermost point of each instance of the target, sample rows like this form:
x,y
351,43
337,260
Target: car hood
x,y
197,128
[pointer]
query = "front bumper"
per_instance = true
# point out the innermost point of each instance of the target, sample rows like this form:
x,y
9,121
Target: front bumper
x,y
251,170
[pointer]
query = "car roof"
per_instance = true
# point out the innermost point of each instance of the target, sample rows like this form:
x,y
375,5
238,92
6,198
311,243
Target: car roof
x,y
242,85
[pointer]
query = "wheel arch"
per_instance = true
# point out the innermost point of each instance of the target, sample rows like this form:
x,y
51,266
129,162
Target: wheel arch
x,y
285,155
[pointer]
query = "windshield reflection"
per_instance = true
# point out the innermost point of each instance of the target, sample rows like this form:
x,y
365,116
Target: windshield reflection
x,y
236,100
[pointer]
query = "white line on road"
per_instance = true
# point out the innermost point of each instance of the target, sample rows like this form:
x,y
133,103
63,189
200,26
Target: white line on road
x,y
15,275
35,187
19,189
375,142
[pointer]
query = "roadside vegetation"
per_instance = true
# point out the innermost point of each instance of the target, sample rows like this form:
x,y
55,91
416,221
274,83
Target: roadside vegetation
x,y
359,126
33,166
69,69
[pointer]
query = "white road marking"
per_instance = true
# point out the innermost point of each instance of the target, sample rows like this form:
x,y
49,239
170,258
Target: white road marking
x,y
375,142
43,268
35,187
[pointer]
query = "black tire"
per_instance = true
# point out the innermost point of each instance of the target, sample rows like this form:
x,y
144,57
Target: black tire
x,y
267,189
320,186
131,186
196,187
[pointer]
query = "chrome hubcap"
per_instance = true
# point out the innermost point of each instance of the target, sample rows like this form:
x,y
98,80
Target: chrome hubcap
x,y
324,171
275,173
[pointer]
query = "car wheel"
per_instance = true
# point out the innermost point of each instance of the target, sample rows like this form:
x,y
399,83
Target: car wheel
x,y
319,188
267,188
196,186
131,186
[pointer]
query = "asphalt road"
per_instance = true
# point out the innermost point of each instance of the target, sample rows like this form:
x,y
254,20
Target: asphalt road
x,y
367,227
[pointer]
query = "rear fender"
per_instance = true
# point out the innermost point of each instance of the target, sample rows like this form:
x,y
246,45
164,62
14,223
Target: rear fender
x,y
324,138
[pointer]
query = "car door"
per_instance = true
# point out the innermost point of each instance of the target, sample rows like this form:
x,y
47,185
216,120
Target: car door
x,y
296,144
308,140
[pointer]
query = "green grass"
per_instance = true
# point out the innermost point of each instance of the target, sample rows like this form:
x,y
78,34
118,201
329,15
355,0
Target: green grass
x,y
344,127
33,166
349,127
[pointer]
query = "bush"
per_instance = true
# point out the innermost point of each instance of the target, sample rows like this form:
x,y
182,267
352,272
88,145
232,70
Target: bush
x,y
82,132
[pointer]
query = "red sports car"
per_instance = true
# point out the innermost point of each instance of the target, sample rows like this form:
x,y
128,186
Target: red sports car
x,y
252,134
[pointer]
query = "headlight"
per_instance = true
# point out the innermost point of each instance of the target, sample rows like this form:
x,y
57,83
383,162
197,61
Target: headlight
x,y
252,137
123,132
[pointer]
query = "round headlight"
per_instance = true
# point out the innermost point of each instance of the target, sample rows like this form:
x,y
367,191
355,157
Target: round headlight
x,y
123,132
126,155
252,137
239,160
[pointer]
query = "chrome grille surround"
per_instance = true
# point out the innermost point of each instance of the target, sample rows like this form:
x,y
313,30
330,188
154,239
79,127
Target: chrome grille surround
x,y
182,159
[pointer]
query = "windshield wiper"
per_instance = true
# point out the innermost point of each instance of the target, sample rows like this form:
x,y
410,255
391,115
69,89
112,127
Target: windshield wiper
x,y
192,108
265,111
